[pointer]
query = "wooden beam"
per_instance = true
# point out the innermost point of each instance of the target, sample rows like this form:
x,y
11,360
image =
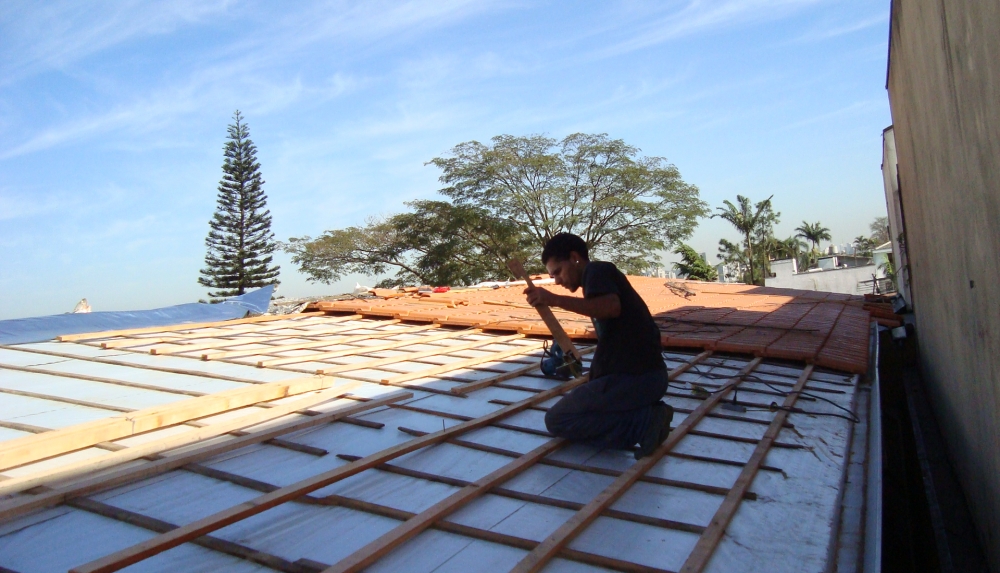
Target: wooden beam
x,y
177,347
467,363
151,367
208,542
23,482
709,540
319,356
20,451
25,504
535,498
412,527
270,350
717,490
177,327
551,546
421,354
225,331
478,384
218,520
443,524
545,312
100,379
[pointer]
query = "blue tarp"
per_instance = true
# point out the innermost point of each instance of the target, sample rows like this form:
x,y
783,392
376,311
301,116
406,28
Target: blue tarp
x,y
22,330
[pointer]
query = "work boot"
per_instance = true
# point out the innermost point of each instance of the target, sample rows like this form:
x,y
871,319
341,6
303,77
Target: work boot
x,y
657,431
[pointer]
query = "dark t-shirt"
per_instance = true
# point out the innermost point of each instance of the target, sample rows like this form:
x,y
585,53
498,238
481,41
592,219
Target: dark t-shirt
x,y
629,344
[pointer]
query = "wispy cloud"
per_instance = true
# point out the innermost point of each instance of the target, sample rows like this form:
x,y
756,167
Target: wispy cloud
x,y
700,16
819,35
854,108
56,34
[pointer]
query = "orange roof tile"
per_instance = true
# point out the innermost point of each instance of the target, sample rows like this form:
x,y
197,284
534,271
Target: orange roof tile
x,y
827,329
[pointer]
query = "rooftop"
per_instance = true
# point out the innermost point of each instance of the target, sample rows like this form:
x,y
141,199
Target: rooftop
x,y
408,435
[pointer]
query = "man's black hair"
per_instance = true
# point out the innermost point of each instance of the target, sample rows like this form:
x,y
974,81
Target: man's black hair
x,y
561,245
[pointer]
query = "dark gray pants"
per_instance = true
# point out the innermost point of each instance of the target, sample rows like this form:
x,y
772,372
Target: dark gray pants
x,y
612,411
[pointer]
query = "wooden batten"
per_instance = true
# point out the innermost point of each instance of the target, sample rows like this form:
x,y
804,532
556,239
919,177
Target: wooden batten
x,y
28,449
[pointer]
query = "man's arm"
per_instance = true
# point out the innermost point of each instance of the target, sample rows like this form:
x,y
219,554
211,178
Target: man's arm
x,y
600,307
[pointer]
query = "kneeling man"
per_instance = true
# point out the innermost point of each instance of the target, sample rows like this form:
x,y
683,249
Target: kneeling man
x,y
620,406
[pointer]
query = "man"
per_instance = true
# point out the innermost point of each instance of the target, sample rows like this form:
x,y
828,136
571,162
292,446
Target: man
x,y
620,406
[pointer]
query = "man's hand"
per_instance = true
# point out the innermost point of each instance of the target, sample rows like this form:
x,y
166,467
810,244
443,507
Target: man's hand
x,y
538,296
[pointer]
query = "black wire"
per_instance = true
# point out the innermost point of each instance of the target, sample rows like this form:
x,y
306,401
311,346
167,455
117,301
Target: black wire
x,y
774,406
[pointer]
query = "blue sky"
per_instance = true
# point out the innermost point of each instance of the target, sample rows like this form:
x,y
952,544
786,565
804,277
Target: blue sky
x,y
113,116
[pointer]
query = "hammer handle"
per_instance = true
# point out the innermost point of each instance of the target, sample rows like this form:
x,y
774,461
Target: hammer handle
x,y
550,319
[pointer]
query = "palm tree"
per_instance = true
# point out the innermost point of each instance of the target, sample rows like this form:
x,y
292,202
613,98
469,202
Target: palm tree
x,y
813,233
864,245
749,220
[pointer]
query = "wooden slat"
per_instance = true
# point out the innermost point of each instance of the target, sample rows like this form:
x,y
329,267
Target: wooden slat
x,y
187,326
270,350
551,546
224,331
177,347
23,482
535,498
26,504
467,363
62,399
100,379
584,467
365,349
127,364
218,520
709,540
20,451
545,312
422,354
478,384
412,527
214,543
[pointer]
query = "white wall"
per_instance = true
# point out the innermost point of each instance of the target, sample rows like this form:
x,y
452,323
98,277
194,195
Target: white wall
x,y
834,280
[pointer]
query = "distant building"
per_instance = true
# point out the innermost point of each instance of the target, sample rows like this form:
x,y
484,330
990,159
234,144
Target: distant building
x,y
847,274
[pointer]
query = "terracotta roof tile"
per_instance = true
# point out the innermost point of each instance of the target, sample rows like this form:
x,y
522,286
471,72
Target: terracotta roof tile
x,y
828,329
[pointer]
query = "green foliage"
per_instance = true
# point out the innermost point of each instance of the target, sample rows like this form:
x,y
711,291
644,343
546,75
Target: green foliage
x,y
626,207
814,233
693,266
756,223
437,243
864,245
506,199
240,241
880,231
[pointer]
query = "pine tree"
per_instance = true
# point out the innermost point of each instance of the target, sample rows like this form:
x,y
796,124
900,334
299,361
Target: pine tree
x,y
240,241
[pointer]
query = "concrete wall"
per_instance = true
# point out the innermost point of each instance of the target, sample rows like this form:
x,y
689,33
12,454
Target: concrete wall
x,y
831,280
944,90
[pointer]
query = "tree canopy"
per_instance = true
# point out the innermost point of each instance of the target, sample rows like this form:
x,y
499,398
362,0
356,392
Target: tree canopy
x,y
240,241
506,199
814,233
692,266
756,223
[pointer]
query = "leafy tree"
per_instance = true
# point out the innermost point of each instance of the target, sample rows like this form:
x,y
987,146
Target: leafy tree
x,y
880,231
626,207
813,233
864,245
693,266
506,199
437,243
240,241
756,223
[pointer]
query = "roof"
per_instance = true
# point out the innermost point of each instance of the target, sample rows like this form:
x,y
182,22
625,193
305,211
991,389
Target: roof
x,y
422,448
827,329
